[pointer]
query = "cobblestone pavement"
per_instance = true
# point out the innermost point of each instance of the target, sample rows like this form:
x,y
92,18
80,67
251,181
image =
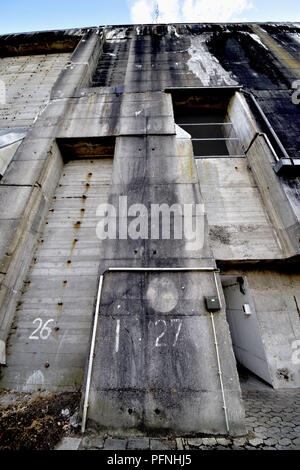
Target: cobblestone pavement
x,y
272,420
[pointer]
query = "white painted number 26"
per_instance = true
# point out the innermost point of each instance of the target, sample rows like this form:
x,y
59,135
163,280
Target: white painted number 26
x,y
42,331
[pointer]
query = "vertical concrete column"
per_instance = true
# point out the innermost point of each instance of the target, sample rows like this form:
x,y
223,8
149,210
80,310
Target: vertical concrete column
x,y
155,364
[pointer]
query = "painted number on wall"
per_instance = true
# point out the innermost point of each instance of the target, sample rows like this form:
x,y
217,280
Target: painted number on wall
x,y
43,331
161,327
174,322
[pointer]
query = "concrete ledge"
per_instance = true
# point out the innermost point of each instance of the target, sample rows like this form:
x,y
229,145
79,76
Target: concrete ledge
x,y
39,42
286,167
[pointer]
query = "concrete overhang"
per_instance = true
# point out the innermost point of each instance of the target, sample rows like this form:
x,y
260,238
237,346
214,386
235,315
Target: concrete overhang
x,y
287,167
44,42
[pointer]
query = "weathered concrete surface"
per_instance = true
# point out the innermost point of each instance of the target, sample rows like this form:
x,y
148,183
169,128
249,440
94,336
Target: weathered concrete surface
x,y
28,81
264,65
80,68
280,210
69,443
59,290
23,220
279,195
6,154
151,165
265,59
272,423
239,226
155,361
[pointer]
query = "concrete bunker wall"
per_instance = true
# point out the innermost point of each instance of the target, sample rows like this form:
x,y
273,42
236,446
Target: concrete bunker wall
x,y
261,161
155,364
28,80
48,342
152,164
30,177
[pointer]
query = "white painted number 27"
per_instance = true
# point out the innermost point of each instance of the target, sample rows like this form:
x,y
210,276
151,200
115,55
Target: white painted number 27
x,y
165,327
42,331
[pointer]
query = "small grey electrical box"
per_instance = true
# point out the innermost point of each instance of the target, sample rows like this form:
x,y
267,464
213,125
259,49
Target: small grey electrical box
x,y
212,304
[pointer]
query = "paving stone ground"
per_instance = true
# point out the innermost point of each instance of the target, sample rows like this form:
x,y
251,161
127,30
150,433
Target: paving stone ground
x,y
272,420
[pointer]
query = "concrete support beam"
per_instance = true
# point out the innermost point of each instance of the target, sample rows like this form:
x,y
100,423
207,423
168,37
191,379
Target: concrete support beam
x,y
78,72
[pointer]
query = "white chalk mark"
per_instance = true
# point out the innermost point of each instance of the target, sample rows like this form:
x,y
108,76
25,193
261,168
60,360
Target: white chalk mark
x,y
157,343
117,336
176,320
32,336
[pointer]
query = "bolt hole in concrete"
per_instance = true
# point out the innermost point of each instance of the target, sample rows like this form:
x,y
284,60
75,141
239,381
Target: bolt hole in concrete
x,y
130,411
157,411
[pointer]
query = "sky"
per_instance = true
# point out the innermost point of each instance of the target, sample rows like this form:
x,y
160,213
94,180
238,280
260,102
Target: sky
x,y
36,15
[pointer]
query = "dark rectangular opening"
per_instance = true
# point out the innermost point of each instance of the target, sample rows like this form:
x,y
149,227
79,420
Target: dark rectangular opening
x,y
100,147
202,113
45,42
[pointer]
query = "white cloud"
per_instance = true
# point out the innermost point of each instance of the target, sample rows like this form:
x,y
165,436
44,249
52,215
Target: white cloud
x,y
169,11
213,10
141,11
190,11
